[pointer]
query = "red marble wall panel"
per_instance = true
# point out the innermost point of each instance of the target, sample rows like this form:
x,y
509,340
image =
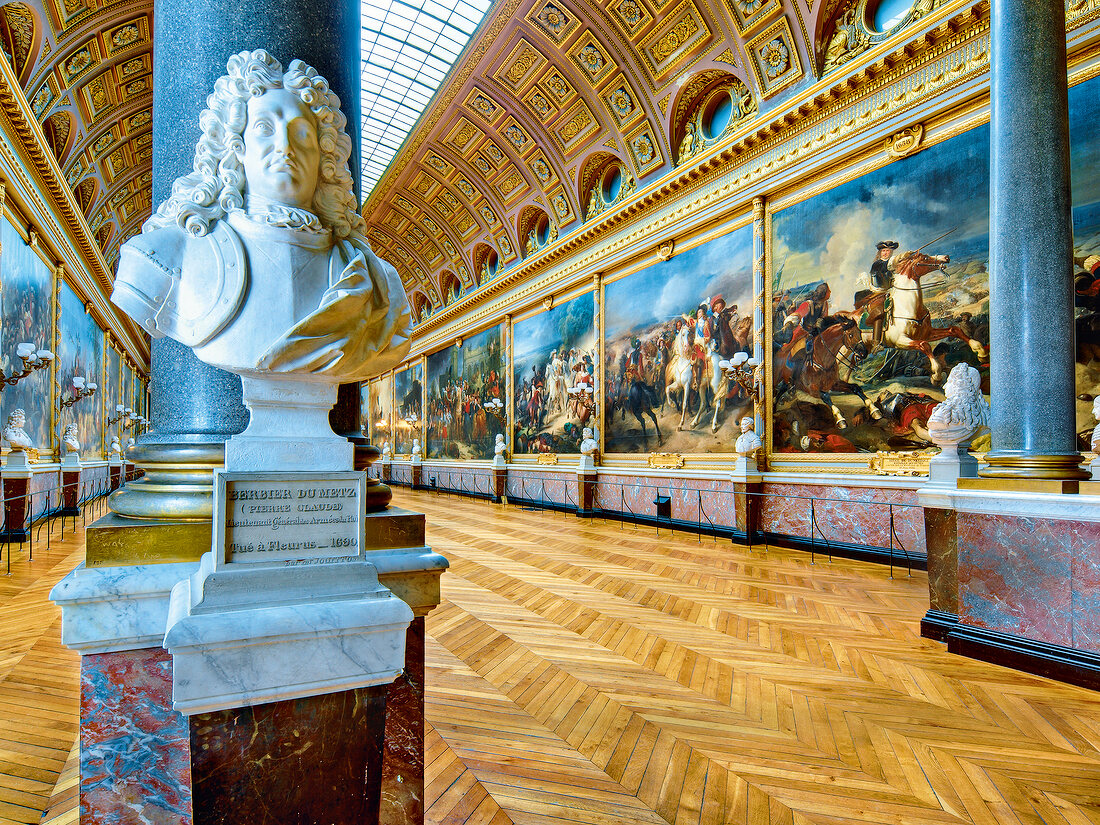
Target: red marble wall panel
x,y
857,515
134,751
457,478
703,501
532,485
1031,577
400,473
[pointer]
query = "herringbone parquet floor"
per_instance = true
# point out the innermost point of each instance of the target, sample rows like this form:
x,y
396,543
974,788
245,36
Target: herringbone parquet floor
x,y
580,672
39,677
583,673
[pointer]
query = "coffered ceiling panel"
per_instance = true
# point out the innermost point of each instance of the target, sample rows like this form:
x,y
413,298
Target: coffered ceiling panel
x,y
567,106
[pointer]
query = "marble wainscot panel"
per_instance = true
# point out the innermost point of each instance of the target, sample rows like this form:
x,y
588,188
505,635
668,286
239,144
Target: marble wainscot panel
x,y
134,750
400,473
853,515
474,479
93,479
1028,580
553,487
695,499
1032,576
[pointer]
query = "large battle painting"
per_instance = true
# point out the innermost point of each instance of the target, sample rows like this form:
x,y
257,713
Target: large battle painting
x,y
378,408
552,353
463,384
1084,110
408,392
667,328
80,353
879,288
26,316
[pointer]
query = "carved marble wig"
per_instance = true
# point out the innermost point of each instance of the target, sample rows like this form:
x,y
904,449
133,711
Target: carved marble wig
x,y
71,440
258,260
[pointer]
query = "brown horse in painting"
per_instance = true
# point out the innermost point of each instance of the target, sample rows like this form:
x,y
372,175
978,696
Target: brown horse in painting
x,y
909,324
817,373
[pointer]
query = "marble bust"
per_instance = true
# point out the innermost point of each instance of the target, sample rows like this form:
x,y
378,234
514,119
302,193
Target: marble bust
x,y
589,448
963,413
1096,432
589,444
499,448
17,437
71,440
130,444
258,260
386,452
748,442
116,448
416,450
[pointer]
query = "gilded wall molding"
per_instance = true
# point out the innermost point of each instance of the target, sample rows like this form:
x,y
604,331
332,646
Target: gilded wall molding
x,y
790,145
31,167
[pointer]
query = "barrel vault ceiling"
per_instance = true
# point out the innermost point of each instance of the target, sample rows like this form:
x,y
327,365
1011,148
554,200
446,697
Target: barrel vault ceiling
x,y
558,111
85,68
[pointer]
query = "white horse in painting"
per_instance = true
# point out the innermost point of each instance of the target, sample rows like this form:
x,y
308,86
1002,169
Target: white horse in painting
x,y
678,372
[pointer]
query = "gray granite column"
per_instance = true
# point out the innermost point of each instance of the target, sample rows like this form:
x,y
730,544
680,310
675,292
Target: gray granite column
x,y
1031,246
195,407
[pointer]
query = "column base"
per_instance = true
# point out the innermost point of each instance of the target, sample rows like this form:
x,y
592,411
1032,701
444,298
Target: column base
x,y
1021,485
178,484
1018,464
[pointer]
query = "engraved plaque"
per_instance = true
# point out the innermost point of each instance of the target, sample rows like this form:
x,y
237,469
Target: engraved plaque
x,y
288,518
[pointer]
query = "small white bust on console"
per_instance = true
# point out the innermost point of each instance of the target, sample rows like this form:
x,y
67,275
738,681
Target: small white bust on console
x,y
70,440
416,456
954,423
1095,440
387,454
500,452
747,447
23,451
115,452
590,449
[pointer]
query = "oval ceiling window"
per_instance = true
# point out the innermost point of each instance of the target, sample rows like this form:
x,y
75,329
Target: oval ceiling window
x,y
491,262
717,114
611,183
542,230
886,14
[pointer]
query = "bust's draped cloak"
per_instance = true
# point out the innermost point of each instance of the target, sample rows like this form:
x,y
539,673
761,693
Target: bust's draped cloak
x,y
191,288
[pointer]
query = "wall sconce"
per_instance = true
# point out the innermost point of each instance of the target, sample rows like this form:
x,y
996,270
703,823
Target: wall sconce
x,y
585,395
123,412
33,359
742,371
495,408
83,390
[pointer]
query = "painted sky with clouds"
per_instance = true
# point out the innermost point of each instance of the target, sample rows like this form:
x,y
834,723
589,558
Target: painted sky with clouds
x,y
676,286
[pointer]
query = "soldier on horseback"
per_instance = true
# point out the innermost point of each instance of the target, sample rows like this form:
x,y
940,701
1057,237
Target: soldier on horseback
x,y
876,300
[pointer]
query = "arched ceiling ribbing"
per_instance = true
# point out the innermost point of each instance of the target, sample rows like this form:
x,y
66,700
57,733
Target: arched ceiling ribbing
x,y
550,90
85,66
548,97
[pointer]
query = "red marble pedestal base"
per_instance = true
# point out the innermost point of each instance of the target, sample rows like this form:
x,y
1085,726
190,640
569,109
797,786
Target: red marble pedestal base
x,y
310,761
403,755
15,510
586,493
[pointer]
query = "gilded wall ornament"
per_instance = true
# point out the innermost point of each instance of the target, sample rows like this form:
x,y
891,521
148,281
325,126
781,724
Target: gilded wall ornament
x,y
905,142
853,32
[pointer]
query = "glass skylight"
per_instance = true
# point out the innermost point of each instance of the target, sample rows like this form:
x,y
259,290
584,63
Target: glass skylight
x,y
408,48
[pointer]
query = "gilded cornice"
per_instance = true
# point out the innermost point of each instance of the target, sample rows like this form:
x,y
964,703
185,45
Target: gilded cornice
x,y
814,127
35,172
